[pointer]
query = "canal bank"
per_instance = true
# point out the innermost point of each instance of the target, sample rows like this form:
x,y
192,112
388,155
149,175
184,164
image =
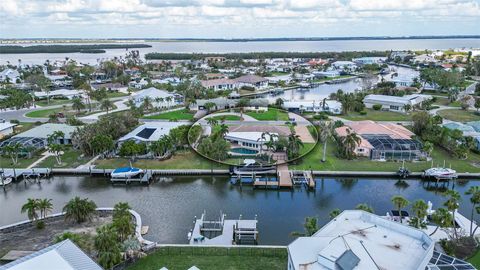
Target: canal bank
x,y
169,204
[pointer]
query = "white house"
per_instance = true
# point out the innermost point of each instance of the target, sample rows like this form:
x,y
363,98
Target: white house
x,y
61,256
158,97
249,139
149,132
331,73
64,93
138,85
394,103
357,240
6,128
9,74
330,106
220,84
344,65
369,60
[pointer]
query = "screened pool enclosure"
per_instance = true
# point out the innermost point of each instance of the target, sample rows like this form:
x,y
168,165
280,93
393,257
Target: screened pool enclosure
x,y
386,148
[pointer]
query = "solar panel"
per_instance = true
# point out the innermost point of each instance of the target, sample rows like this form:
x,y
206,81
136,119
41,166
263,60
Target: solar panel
x,y
146,133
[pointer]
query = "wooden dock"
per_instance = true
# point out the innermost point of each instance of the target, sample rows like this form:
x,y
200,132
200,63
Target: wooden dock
x,y
310,180
27,174
284,177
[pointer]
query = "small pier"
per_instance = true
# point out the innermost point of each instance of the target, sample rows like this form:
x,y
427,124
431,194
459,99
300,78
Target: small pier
x,y
223,231
26,174
144,178
303,178
284,177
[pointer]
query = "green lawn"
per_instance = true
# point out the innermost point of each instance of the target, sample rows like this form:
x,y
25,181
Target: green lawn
x,y
70,159
181,258
333,78
475,260
377,116
53,102
229,117
459,115
333,163
43,113
116,94
271,115
182,114
66,111
181,160
6,162
446,102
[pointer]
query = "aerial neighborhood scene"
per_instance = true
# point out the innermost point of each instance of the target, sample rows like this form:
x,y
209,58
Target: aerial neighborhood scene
x,y
243,134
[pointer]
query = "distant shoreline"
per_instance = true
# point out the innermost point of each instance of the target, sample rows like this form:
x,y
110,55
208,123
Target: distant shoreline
x,y
93,48
135,40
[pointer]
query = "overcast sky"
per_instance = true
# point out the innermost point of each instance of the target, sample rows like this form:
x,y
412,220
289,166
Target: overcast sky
x,y
236,18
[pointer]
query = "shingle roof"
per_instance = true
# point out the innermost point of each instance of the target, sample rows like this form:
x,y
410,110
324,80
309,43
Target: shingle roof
x,y
250,79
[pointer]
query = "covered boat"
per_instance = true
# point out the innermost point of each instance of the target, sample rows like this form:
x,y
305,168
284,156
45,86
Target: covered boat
x,y
126,172
440,173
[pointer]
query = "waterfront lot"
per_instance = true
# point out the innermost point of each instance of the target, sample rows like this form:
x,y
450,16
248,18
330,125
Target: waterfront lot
x,y
183,114
333,163
214,258
475,260
6,162
70,159
271,115
459,115
377,116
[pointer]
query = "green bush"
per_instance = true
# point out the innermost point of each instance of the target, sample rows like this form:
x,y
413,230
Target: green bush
x,y
377,107
320,116
363,113
40,225
15,121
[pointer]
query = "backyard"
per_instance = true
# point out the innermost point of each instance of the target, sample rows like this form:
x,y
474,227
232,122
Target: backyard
x,y
377,116
66,110
475,260
183,114
228,117
70,159
271,114
459,115
182,258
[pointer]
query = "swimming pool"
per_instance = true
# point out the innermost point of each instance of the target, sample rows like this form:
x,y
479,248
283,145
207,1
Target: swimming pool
x,y
243,151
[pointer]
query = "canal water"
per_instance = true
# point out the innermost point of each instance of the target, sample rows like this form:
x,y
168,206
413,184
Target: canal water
x,y
169,204
257,46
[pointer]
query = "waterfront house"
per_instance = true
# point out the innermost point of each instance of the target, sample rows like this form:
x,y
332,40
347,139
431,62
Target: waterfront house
x,y
149,132
358,240
275,80
383,141
297,106
64,255
220,103
220,84
395,103
138,84
37,137
6,129
10,75
345,66
158,97
250,140
369,60
330,73
253,81
60,93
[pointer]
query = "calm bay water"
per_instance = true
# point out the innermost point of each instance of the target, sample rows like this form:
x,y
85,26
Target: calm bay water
x,y
258,46
169,205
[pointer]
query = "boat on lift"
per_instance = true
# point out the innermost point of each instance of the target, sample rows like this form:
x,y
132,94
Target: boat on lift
x,y
440,173
5,181
126,172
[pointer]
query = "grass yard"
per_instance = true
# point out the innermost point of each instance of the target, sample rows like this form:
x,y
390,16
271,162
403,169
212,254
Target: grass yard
x,y
229,117
43,113
333,78
70,159
114,94
182,258
53,102
446,102
475,260
459,115
333,163
182,114
66,111
181,160
24,126
377,116
271,115
6,162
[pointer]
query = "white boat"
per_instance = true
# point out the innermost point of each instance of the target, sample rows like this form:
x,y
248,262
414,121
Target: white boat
x,y
126,172
6,181
440,173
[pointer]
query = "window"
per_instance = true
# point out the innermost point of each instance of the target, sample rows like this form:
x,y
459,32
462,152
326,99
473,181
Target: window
x,y
395,108
360,150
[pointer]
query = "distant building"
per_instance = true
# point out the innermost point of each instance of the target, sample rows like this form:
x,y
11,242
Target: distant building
x,y
369,60
254,81
220,84
357,240
330,106
64,255
326,74
220,103
384,141
158,97
395,103
10,75
344,65
61,93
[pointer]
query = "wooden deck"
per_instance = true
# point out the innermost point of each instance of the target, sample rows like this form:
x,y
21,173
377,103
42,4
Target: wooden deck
x,y
311,180
284,178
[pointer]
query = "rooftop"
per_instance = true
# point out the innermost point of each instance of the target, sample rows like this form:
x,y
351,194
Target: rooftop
x,y
251,79
369,127
151,131
47,129
359,240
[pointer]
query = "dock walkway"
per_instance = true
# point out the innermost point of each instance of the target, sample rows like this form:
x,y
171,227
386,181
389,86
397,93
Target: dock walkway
x,y
284,177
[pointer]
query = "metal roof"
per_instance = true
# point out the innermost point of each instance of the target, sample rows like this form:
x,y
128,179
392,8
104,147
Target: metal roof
x,y
61,256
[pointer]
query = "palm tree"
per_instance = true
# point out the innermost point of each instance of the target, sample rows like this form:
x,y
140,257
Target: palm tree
x,y
13,151
400,202
45,206
241,104
31,207
350,142
294,144
77,104
212,122
443,218
334,213
452,205
147,103
474,191
326,132
365,207
106,105
107,246
310,226
419,208
223,130
79,210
